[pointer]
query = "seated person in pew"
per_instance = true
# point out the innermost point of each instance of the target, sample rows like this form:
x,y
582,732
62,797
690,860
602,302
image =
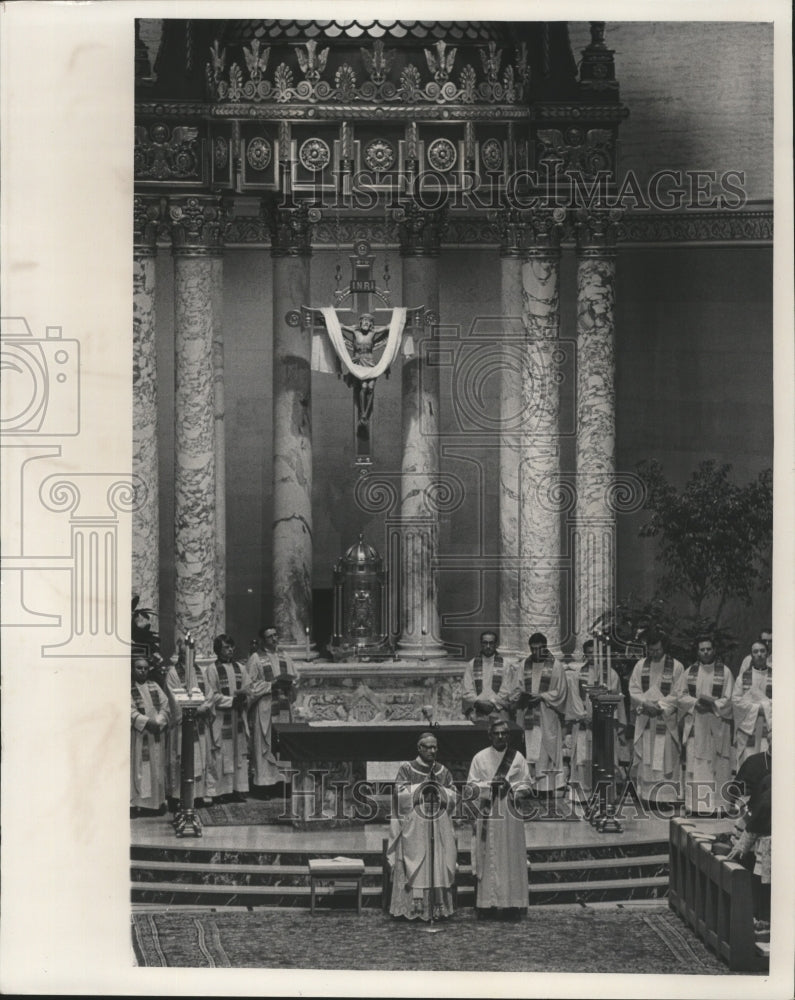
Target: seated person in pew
x,y
754,782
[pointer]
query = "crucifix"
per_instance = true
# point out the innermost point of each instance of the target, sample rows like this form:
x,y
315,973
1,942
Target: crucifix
x,y
358,337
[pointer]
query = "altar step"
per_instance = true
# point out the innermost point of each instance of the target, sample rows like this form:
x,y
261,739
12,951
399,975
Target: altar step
x,y
190,875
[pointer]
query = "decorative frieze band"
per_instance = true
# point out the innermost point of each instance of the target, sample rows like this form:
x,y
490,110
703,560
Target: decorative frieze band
x,y
380,78
736,228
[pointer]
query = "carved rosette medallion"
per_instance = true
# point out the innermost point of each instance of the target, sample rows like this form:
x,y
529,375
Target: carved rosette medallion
x,y
379,155
314,154
442,155
258,153
491,154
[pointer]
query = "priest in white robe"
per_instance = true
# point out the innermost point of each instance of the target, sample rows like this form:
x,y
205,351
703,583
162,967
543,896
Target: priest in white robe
x,y
148,723
538,695
271,676
500,780
655,687
228,681
752,705
422,849
706,710
487,682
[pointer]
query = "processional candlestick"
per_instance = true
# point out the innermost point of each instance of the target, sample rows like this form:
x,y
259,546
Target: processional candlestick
x,y
188,699
603,772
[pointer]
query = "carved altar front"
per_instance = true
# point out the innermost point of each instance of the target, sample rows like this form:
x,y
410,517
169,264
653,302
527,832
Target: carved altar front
x,y
392,691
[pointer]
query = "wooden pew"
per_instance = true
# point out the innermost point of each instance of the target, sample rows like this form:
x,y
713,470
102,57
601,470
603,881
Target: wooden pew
x,y
714,897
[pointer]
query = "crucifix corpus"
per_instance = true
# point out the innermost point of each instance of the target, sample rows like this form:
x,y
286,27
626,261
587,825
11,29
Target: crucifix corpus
x,y
358,340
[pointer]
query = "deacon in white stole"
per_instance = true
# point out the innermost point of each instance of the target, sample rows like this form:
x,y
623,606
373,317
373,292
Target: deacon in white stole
x,y
500,777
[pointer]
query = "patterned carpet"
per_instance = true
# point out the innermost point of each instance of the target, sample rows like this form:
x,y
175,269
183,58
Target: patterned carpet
x,y
552,939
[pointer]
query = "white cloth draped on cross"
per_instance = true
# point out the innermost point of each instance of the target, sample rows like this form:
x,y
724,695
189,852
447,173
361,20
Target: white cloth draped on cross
x,y
329,352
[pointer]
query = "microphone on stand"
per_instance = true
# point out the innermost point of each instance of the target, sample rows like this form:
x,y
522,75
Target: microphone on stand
x,y
432,801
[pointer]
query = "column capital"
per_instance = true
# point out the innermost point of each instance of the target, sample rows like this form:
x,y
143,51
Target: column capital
x,y
598,230
148,212
420,230
290,227
196,225
544,229
525,234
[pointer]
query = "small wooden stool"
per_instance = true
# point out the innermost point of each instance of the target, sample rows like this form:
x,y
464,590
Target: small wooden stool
x,y
336,870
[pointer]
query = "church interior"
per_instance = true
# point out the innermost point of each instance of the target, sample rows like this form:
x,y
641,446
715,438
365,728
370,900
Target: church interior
x,y
562,235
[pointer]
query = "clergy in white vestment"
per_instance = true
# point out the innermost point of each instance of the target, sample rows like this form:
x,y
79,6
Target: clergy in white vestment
x,y
148,723
655,687
752,705
486,685
227,681
422,849
270,672
706,709
539,693
500,779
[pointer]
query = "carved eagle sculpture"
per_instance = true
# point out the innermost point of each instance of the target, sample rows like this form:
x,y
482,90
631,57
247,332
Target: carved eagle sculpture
x,y
312,62
441,62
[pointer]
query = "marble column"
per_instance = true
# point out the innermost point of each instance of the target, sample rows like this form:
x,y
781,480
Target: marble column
x,y
291,249
595,515
145,518
420,238
539,549
217,265
511,229
197,241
